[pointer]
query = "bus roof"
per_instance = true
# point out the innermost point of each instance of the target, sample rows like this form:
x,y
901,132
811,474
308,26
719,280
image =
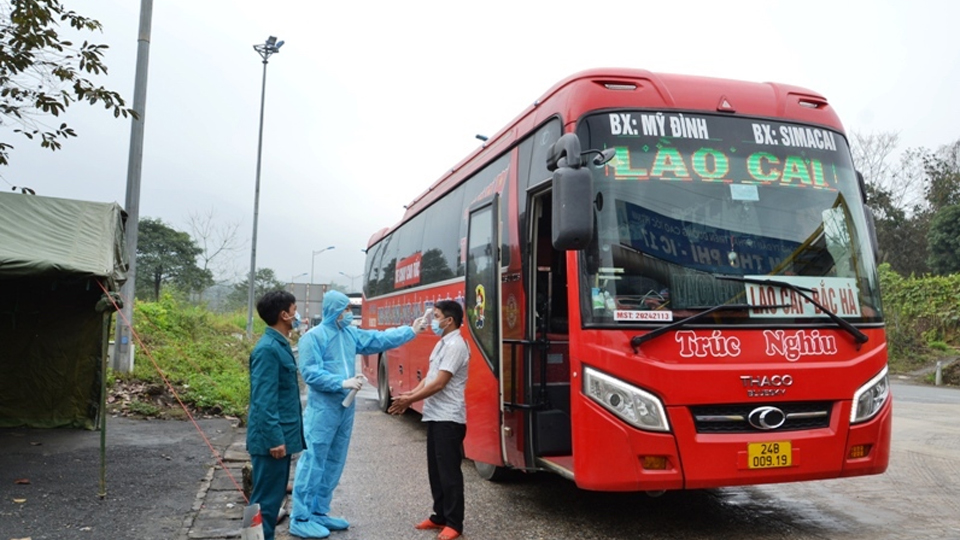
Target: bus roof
x,y
605,88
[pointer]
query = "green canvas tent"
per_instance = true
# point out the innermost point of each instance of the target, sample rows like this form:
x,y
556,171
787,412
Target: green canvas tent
x,y
54,256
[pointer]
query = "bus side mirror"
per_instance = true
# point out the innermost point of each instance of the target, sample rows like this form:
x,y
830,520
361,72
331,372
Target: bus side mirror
x,y
872,228
871,219
572,195
863,187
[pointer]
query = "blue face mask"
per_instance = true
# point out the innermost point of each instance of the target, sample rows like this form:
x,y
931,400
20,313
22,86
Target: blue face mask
x,y
296,320
435,326
347,319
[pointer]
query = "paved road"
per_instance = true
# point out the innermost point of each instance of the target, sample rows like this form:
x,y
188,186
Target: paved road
x,y
153,471
156,468
384,491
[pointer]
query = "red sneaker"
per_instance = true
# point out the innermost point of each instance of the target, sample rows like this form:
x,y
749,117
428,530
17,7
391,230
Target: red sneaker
x,y
448,534
427,524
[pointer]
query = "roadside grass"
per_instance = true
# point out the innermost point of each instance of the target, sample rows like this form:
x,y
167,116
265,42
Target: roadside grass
x,y
203,355
922,318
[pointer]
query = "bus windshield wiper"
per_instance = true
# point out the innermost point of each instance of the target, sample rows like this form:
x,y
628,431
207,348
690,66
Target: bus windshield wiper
x,y
636,341
858,336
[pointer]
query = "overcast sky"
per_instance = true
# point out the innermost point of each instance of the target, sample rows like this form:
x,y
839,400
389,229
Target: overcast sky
x,y
369,102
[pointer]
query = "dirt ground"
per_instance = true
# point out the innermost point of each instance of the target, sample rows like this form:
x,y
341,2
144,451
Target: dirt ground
x,y
951,374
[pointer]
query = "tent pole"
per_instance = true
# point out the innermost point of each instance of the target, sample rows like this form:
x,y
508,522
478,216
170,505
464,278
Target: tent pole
x,y
104,346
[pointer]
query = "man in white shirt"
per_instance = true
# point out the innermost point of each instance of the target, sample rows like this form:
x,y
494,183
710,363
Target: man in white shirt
x,y
445,412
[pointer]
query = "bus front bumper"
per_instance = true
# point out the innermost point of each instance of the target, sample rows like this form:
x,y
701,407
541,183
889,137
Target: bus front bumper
x,y
610,455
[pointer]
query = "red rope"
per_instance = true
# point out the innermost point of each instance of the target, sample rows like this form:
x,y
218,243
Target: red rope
x,y
174,392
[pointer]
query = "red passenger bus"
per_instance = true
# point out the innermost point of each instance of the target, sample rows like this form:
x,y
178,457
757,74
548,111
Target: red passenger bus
x,y
669,283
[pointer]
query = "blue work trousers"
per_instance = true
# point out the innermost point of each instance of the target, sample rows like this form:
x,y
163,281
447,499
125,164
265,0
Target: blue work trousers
x,y
270,478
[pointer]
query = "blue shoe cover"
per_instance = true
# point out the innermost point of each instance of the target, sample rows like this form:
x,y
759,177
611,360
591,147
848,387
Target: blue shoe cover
x,y
332,523
308,529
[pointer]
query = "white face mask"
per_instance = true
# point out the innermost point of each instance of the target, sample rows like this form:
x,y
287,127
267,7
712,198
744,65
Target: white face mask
x,y
435,326
294,319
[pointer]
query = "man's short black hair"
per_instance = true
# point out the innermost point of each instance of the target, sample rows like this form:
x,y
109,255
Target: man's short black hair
x,y
272,304
449,308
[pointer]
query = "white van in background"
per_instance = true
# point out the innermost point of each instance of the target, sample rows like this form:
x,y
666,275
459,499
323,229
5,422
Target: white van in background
x,y
356,306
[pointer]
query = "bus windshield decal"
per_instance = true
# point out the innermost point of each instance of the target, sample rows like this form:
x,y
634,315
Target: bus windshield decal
x,y
635,315
839,295
711,165
686,126
659,125
698,245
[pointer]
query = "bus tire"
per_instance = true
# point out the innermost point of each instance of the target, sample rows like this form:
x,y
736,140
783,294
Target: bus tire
x,y
492,473
383,385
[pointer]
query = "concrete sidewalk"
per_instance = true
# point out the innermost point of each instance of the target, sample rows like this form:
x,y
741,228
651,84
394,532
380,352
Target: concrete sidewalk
x,y
218,509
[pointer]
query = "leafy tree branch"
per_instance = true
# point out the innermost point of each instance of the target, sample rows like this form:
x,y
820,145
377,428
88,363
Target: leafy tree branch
x,y
43,73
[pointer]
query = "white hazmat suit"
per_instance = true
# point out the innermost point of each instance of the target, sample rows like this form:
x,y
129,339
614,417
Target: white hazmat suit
x,y
328,363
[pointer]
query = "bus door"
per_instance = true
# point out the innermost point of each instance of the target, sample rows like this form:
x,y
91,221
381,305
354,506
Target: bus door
x,y
548,362
483,316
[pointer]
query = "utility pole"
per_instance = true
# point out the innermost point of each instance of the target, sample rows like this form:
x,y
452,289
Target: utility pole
x,y
123,353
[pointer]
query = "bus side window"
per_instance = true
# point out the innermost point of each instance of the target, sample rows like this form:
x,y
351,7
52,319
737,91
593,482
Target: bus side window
x,y
373,270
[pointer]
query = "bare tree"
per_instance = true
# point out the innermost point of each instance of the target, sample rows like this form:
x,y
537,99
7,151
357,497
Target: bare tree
x,y
896,192
871,154
218,242
894,185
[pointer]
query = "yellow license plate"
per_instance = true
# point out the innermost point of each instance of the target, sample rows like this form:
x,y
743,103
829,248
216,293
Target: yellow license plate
x,y
769,455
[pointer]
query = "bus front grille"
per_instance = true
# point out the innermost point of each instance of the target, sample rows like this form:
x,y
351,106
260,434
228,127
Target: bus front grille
x,y
746,417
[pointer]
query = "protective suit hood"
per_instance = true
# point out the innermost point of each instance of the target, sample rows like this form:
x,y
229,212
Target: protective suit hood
x,y
334,302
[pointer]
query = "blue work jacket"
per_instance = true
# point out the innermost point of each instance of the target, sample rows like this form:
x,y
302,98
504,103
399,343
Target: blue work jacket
x,y
274,417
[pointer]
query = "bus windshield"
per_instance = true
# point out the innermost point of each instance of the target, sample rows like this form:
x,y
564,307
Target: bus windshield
x,y
689,198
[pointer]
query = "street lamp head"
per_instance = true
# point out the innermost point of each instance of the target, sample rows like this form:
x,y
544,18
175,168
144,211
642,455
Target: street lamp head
x,y
268,47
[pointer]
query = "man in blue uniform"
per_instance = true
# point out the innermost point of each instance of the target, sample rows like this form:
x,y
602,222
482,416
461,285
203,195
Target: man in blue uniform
x,y
328,365
274,428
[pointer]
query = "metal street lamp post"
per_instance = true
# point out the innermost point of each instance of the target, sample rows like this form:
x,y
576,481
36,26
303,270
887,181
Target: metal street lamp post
x,y
312,260
268,48
351,278
293,280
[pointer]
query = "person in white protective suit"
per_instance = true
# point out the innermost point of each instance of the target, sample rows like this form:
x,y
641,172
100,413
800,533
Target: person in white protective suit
x,y
328,365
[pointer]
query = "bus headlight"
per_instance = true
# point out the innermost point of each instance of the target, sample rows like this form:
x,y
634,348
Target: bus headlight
x,y
869,398
635,406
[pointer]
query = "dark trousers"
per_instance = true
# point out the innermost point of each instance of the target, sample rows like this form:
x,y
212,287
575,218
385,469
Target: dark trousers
x,y
269,488
444,444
